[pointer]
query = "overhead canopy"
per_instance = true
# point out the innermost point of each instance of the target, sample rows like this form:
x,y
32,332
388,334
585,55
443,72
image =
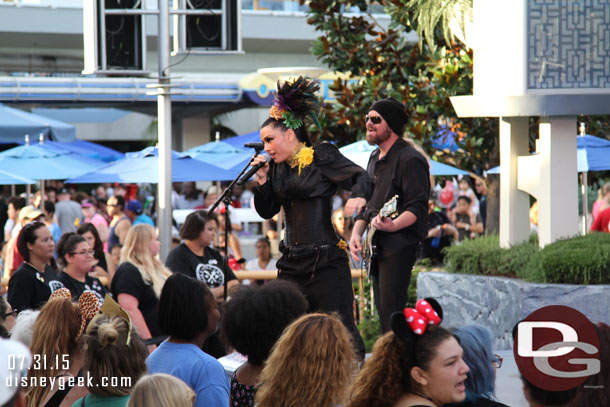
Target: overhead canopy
x,y
40,162
6,178
15,124
143,167
593,154
221,154
88,149
239,141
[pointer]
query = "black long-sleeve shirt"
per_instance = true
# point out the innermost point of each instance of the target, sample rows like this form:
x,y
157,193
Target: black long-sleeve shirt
x,y
405,172
329,170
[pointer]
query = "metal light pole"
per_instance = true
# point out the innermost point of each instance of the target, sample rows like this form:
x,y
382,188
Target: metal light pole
x,y
164,112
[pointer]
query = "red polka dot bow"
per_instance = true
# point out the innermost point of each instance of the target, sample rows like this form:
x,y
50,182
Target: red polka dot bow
x,y
420,317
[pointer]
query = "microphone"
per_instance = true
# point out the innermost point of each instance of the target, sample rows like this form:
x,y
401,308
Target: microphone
x,y
257,146
255,168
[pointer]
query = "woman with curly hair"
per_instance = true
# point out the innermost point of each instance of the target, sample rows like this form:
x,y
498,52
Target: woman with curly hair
x,y
303,179
312,365
252,322
113,351
139,279
417,364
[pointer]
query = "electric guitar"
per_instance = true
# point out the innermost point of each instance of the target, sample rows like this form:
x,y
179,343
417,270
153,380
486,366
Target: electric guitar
x,y
389,210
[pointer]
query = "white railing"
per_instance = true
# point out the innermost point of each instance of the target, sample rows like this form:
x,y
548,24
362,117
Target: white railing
x,y
261,5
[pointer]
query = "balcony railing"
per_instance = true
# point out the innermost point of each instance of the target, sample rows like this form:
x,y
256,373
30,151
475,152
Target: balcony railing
x,y
260,5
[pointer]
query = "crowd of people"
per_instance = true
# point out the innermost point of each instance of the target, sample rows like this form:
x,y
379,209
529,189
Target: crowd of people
x,y
93,300
293,358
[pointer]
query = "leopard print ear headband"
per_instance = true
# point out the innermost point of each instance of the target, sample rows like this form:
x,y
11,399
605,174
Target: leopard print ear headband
x,y
88,305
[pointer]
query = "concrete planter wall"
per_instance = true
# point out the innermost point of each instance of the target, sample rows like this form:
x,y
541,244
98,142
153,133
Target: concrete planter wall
x,y
499,303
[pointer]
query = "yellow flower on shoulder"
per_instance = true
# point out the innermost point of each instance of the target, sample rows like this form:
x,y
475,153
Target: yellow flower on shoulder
x,y
304,157
342,245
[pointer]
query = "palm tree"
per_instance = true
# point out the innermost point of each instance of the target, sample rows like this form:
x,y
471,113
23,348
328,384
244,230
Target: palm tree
x,y
454,17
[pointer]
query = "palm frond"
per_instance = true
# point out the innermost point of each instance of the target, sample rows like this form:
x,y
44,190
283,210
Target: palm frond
x,y
430,13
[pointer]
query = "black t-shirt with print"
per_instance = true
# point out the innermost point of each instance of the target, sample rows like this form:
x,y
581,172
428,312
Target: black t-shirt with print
x,y
207,268
128,280
29,289
77,287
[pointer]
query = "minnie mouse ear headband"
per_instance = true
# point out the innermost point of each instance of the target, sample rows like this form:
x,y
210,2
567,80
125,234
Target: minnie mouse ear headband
x,y
295,100
412,322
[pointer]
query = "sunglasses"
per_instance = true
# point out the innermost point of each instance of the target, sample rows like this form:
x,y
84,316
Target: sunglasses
x,y
497,361
374,119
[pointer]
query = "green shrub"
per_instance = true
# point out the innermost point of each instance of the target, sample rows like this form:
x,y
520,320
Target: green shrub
x,y
370,330
484,256
578,260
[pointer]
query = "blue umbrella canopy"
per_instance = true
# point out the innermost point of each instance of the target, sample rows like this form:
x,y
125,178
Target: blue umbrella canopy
x,y
143,167
239,141
360,152
15,124
221,154
88,149
40,162
592,154
6,178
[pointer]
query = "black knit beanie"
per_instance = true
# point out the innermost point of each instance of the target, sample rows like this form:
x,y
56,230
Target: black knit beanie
x,y
393,112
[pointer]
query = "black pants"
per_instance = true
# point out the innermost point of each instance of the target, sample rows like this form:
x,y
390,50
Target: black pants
x,y
391,277
323,275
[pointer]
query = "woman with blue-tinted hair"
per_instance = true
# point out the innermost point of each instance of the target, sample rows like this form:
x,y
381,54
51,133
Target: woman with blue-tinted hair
x,y
478,355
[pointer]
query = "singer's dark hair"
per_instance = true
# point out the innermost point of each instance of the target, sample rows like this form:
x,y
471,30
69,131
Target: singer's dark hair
x,y
300,132
298,100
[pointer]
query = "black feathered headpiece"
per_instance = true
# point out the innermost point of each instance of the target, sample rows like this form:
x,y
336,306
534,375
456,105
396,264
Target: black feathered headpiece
x,y
296,100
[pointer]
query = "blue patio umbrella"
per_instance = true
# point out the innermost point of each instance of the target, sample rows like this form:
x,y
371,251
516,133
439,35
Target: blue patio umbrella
x,y
41,163
221,154
6,178
592,154
239,141
143,167
88,149
360,151
15,124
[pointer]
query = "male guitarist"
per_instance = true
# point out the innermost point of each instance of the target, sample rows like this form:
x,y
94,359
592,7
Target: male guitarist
x,y
397,168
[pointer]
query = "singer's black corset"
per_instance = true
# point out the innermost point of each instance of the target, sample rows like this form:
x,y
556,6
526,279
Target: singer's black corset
x,y
307,198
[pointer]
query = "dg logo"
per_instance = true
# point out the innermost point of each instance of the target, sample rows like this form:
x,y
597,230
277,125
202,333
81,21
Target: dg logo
x,y
557,348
